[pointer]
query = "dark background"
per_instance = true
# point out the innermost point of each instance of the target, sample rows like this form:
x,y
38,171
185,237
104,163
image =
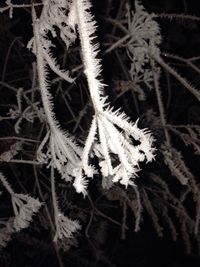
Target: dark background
x,y
142,249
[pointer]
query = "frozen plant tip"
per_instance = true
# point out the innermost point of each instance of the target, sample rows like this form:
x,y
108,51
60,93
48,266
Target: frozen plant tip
x,y
24,207
111,134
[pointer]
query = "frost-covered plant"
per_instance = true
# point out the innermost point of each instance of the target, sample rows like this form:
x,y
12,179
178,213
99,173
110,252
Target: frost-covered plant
x,y
29,114
103,132
111,135
144,40
24,208
110,132
63,153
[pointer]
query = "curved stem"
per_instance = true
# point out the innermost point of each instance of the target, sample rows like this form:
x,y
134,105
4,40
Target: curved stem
x,y
42,75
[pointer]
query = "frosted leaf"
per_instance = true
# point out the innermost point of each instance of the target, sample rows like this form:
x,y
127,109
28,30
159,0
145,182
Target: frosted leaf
x,y
66,227
24,208
80,182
